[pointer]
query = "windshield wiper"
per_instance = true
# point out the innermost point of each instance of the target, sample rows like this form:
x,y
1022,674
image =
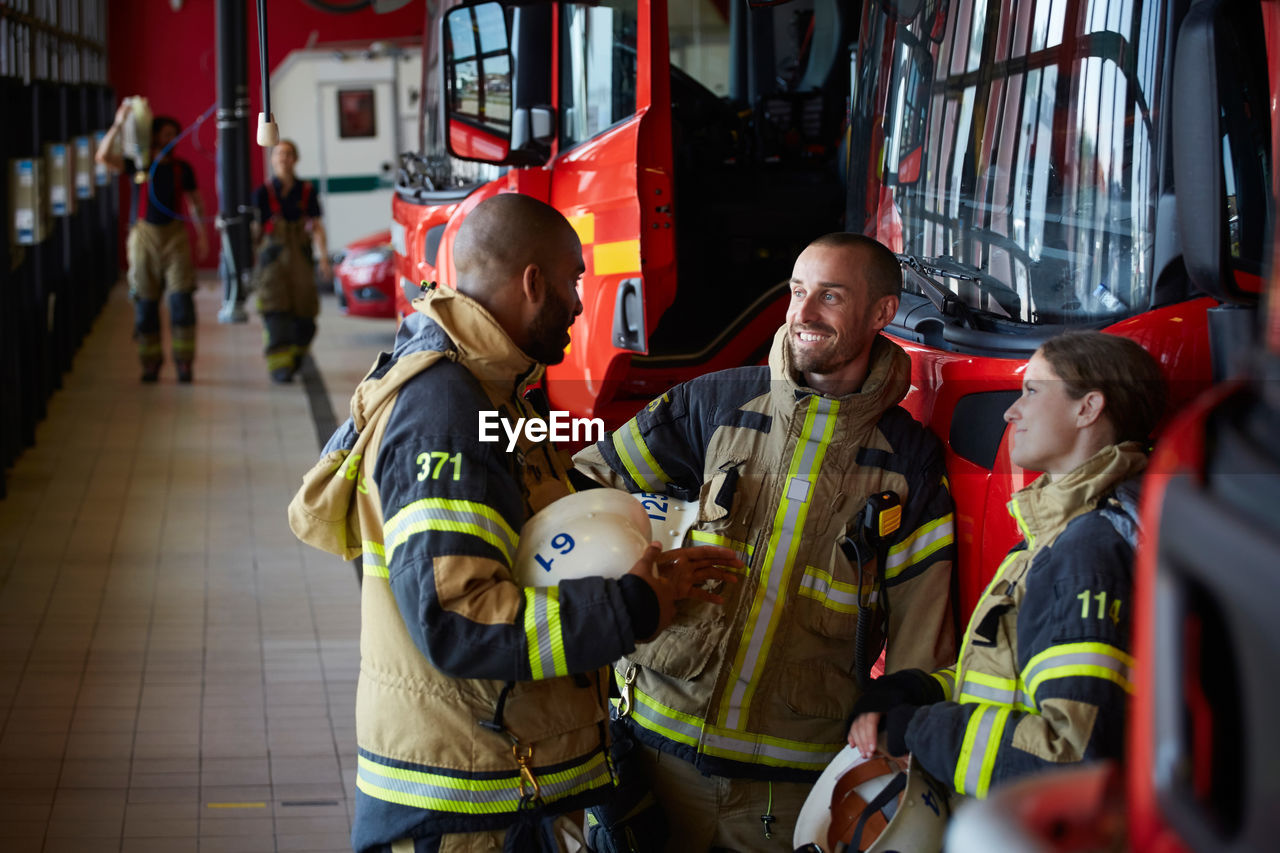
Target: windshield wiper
x,y
946,301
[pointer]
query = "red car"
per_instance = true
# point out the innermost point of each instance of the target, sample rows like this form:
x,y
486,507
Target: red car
x,y
364,277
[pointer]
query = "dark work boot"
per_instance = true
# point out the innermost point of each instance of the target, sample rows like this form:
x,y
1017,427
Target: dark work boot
x,y
151,372
184,372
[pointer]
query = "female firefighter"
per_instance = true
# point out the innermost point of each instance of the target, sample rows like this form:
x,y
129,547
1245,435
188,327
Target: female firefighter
x,y
285,277
1044,666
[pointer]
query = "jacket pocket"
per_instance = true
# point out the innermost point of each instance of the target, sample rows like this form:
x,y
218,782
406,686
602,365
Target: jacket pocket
x,y
681,651
537,710
819,688
828,597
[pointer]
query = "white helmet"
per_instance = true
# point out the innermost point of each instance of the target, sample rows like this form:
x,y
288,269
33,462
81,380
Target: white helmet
x,y
597,532
913,816
670,518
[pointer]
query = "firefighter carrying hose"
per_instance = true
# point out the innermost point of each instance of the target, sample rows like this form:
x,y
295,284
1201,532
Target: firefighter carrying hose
x,y
290,229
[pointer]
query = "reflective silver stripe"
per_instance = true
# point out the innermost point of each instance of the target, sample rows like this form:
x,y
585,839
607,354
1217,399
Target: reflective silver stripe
x,y
972,691
637,459
824,585
373,561
542,632
796,493
651,714
1074,661
981,743
454,515
470,795
773,753
947,679
922,543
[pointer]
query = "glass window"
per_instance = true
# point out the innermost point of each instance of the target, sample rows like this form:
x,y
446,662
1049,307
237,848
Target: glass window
x,y
1014,143
479,68
597,68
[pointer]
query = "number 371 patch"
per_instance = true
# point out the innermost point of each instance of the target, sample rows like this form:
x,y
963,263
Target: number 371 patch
x,y
436,464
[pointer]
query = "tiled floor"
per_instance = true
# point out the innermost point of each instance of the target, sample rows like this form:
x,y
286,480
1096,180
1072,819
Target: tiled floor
x,y
177,673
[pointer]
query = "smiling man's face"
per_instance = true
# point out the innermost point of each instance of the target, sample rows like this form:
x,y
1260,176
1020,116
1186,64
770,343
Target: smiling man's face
x,y
830,322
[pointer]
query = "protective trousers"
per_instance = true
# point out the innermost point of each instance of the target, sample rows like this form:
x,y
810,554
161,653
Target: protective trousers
x,y
160,260
287,296
713,812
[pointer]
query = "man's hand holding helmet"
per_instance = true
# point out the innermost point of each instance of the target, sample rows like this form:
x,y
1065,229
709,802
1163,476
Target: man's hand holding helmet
x,y
681,573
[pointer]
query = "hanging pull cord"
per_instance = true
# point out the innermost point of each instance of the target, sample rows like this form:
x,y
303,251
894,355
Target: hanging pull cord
x,y
767,818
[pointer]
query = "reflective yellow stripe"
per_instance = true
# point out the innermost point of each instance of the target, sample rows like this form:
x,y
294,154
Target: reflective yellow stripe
x,y
620,257
926,540
946,678
966,748
742,549
668,722
637,459
456,516
992,690
1067,660
788,526
282,358
542,632
723,743
993,747
832,594
470,795
373,561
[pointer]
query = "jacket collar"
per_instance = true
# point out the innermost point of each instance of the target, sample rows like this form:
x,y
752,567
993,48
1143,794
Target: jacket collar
x,y
480,343
887,382
1045,507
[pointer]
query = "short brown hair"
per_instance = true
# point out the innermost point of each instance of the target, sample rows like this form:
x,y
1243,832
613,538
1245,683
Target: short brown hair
x,y
882,270
1125,373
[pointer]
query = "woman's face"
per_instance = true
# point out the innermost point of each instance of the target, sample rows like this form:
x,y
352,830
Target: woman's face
x,y
283,158
1044,420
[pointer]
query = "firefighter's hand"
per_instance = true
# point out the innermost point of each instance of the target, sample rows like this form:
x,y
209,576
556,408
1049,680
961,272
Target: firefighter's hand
x,y
680,573
326,269
202,244
123,112
863,732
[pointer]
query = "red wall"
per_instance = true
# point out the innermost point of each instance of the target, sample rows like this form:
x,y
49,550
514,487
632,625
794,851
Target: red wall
x,y
171,58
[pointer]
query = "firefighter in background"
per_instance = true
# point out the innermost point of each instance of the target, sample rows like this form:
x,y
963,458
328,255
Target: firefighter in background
x,y
158,248
1044,666
739,711
285,275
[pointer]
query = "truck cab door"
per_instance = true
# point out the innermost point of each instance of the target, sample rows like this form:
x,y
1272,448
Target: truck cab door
x,y
611,176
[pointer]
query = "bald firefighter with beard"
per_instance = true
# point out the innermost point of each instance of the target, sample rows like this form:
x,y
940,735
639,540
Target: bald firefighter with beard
x,y
481,706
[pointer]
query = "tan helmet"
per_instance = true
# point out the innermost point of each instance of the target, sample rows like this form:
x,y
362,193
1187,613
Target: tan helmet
x,y
586,534
886,804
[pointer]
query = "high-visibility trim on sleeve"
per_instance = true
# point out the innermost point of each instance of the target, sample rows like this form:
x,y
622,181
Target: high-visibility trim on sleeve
x,y
1074,660
947,679
927,539
635,456
978,749
456,516
373,561
543,632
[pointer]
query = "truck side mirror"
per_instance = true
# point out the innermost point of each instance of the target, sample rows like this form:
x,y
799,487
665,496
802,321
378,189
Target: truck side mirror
x,y
1222,148
494,107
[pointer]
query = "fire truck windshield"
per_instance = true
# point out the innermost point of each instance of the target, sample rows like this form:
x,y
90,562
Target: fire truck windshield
x,y
1012,148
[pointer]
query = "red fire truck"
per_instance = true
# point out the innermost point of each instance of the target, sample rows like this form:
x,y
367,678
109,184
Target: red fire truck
x,y
1039,165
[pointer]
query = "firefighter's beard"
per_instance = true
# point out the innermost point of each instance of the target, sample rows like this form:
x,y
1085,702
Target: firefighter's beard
x,y
819,358
549,332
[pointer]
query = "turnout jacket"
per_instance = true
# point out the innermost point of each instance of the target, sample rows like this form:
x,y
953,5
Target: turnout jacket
x,y
471,688
1044,667
763,687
